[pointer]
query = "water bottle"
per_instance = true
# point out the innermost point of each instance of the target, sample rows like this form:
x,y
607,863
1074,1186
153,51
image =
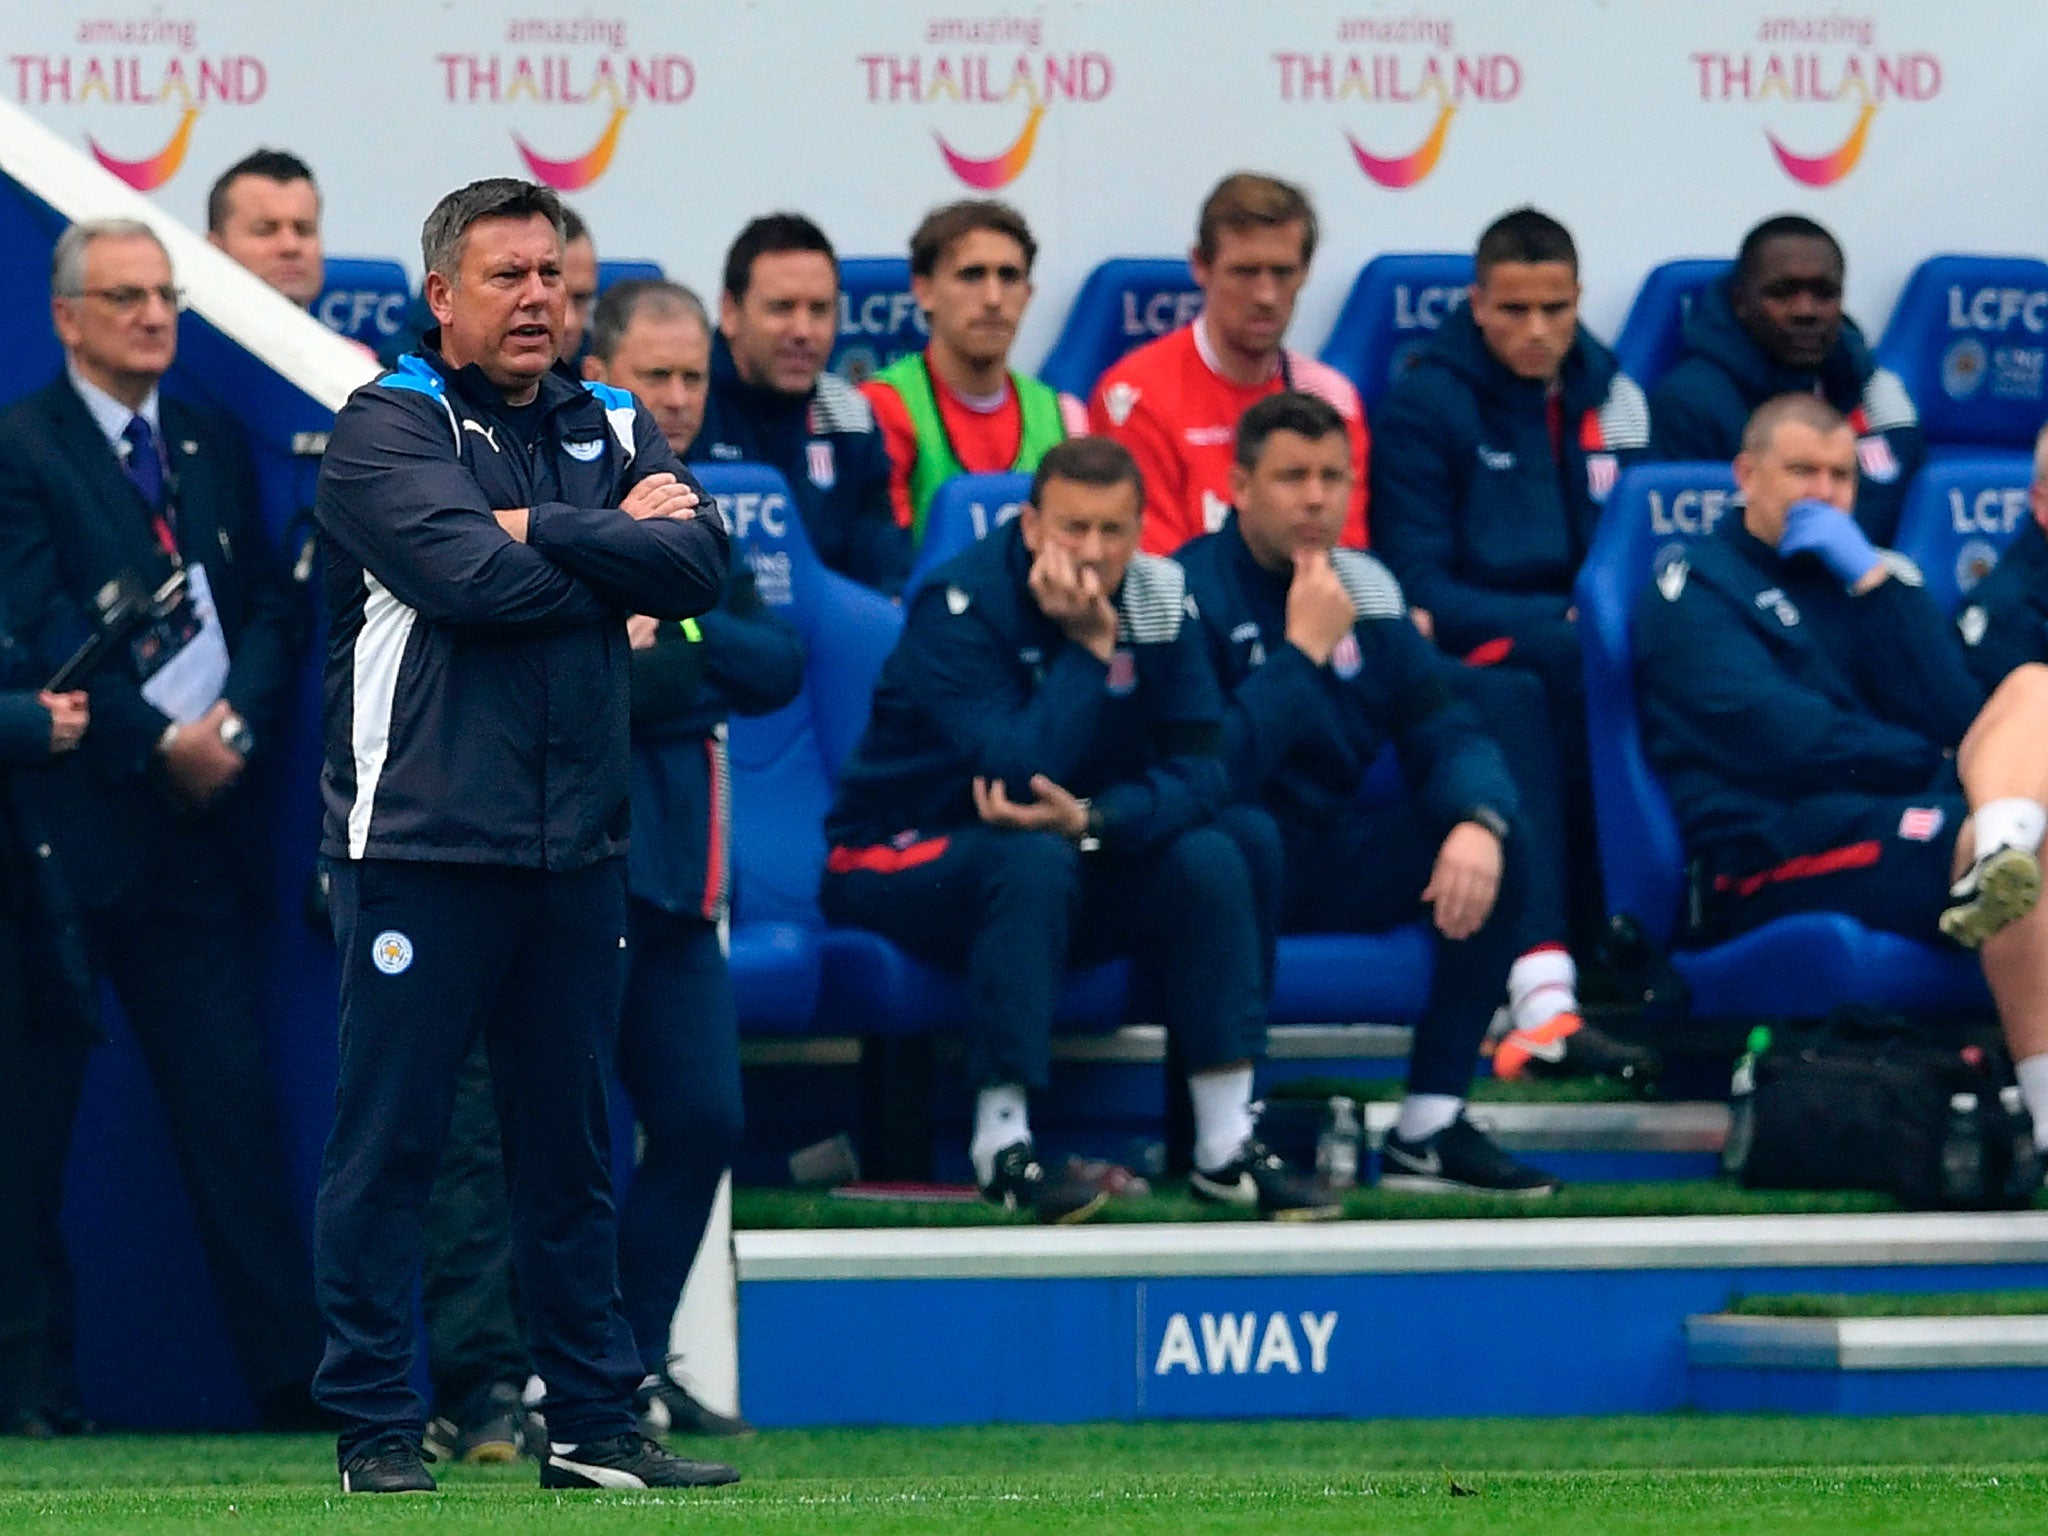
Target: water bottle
x,y
2023,1171
1962,1155
1337,1147
1742,1103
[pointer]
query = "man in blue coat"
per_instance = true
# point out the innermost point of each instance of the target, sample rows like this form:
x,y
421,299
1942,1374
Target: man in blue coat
x,y
1774,326
1323,670
488,526
1824,747
1038,786
1491,462
773,402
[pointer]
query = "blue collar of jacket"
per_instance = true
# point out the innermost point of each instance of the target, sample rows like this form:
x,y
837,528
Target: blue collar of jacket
x,y
1586,374
427,371
1713,331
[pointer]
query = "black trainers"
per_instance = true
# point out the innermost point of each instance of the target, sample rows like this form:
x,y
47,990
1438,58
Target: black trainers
x,y
666,1407
1458,1159
628,1461
388,1464
1019,1182
1260,1178
1567,1046
1998,889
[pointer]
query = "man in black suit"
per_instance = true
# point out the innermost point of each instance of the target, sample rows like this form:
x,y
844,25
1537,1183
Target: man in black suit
x,y
150,819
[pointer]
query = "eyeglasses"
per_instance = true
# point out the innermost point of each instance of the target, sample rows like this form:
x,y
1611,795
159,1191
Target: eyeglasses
x,y
129,298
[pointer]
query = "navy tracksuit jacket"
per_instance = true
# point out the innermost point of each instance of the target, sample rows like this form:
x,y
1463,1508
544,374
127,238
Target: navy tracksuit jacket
x,y
1483,521
1764,685
827,445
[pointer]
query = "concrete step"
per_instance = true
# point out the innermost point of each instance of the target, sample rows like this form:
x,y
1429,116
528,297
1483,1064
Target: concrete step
x,y
1980,1364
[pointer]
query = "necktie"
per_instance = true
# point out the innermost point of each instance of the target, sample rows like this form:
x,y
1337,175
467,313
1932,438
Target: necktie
x,y
145,467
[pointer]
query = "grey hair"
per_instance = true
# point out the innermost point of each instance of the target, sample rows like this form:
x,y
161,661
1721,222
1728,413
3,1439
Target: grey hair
x,y
495,197
624,302
67,262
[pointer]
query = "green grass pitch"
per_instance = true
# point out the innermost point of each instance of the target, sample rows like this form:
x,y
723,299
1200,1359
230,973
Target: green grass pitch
x,y
1590,1477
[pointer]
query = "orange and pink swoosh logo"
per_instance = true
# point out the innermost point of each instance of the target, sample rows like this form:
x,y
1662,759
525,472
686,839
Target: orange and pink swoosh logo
x,y
997,170
1824,170
575,174
1403,171
152,171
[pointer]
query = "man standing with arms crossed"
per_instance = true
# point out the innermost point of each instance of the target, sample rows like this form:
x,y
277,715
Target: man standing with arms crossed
x,y
489,526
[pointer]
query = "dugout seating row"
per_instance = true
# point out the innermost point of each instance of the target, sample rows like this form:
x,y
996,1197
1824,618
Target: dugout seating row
x,y
794,975
790,972
1969,334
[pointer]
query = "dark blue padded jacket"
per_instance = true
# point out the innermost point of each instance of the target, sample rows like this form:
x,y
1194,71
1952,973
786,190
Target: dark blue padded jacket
x,y
984,684
1299,738
1483,523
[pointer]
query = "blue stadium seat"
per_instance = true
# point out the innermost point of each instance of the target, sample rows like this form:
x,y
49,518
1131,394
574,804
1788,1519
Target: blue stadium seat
x,y
1962,511
1803,966
609,272
1649,341
964,509
364,298
878,319
781,778
1969,336
1394,306
1122,303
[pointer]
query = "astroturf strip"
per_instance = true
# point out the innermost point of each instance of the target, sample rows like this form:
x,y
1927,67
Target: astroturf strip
x,y
800,1209
1898,1304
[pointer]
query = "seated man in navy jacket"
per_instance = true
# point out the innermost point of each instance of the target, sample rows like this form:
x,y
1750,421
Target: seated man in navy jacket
x,y
1824,746
1323,669
1774,326
2005,623
1493,459
1038,786
774,402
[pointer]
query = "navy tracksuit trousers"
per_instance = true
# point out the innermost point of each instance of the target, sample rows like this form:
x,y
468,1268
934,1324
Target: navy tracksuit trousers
x,y
1015,909
430,954
679,1057
1365,873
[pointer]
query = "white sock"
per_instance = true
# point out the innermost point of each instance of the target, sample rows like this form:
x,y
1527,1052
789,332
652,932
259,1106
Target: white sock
x,y
2014,822
999,1120
1223,1115
1541,985
2033,1076
1424,1114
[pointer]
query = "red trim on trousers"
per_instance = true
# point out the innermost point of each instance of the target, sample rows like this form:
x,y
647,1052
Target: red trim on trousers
x,y
885,858
1491,654
1829,861
717,835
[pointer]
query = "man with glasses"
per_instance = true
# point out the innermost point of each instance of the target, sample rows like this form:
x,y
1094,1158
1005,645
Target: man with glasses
x,y
1774,326
151,820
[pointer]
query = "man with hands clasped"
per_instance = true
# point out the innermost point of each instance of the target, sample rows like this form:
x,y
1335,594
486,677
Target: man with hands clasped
x,y
1323,669
1038,786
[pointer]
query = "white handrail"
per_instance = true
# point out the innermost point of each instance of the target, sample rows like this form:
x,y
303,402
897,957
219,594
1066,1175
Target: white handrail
x,y
227,295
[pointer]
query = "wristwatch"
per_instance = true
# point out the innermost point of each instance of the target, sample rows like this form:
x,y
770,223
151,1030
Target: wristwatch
x,y
1486,816
1090,840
